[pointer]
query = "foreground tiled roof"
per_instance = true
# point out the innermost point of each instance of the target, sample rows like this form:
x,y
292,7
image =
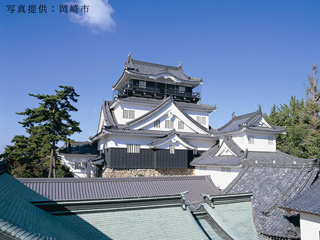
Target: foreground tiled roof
x,y
307,202
274,178
131,219
20,219
101,188
231,216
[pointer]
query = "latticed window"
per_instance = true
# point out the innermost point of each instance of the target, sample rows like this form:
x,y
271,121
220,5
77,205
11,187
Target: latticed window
x,y
129,114
172,149
168,124
180,125
182,89
156,123
142,84
202,120
133,148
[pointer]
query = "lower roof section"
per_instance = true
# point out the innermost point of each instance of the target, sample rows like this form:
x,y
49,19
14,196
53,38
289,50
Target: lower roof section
x,y
273,184
102,188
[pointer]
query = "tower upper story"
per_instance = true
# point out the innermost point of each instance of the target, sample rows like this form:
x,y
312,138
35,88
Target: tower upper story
x,y
150,80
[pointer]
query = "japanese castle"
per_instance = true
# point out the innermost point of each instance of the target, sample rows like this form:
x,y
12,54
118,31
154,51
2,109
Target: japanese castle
x,y
166,170
156,126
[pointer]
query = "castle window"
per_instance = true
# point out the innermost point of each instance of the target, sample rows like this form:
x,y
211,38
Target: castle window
x,y
156,123
201,120
133,148
172,149
180,125
270,140
182,89
169,124
142,84
250,139
128,114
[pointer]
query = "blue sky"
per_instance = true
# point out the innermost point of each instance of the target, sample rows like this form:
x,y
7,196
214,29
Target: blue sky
x,y
248,52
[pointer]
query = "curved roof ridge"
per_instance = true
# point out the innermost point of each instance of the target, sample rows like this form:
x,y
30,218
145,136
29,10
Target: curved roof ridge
x,y
167,137
107,113
236,118
234,147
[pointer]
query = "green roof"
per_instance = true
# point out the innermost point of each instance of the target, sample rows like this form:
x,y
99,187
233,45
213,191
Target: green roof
x,y
231,217
20,219
165,222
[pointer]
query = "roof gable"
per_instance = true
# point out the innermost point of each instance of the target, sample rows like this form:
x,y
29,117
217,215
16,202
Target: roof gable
x,y
169,108
252,121
171,138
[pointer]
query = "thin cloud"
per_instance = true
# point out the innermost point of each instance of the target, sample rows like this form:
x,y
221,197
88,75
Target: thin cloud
x,y
98,18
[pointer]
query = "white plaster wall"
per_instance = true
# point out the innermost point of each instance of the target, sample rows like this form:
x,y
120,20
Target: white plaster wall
x,y
162,125
309,226
194,115
109,141
121,141
202,144
139,111
261,141
219,178
70,160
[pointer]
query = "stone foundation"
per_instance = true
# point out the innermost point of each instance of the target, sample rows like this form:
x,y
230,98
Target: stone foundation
x,y
147,172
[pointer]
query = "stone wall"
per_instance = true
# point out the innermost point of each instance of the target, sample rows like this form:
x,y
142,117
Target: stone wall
x,y
147,172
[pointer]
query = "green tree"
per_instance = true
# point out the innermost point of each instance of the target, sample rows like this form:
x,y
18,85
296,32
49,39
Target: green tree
x,y
302,120
311,117
291,116
46,125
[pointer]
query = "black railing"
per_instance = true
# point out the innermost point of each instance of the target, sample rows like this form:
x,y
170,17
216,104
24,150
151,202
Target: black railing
x,y
158,91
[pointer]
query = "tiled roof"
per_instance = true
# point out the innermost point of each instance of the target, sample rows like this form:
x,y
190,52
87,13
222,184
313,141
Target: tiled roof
x,y
152,70
166,138
308,202
247,121
232,214
137,218
148,68
101,188
209,158
273,183
155,102
20,219
108,115
151,133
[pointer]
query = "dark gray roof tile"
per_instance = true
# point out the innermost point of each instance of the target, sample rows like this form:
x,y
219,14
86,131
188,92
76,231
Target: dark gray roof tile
x,y
308,202
101,188
273,184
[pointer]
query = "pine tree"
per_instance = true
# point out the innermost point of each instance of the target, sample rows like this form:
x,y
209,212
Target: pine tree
x,y
302,120
311,117
46,125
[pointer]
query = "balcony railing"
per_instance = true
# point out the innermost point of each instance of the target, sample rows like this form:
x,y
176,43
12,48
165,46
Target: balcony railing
x,y
158,91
